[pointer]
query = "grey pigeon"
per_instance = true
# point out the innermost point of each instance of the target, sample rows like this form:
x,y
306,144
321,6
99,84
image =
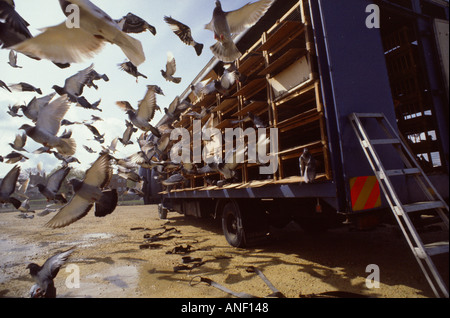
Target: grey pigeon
x,y
131,69
144,114
13,59
184,33
257,121
94,76
19,142
307,165
61,44
25,207
106,204
171,68
226,24
33,108
125,140
131,23
97,136
8,186
44,275
15,157
87,192
174,180
25,87
51,188
13,28
3,85
48,125
13,111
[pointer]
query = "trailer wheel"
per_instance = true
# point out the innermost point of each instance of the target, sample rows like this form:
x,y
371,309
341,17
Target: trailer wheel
x,y
162,212
232,225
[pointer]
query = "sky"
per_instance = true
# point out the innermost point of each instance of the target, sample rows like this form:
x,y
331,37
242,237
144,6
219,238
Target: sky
x,y
122,86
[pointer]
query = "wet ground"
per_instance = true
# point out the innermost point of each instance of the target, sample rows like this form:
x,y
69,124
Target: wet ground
x,y
134,254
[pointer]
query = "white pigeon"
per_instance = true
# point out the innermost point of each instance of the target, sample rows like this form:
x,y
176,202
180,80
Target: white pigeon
x,y
226,24
171,68
62,44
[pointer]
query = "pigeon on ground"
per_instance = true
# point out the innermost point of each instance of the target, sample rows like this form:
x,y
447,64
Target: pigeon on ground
x,y
87,192
31,111
226,24
131,69
25,87
184,33
62,44
13,28
25,207
8,186
125,140
131,23
307,165
144,114
44,275
53,185
3,85
13,59
171,68
48,125
19,142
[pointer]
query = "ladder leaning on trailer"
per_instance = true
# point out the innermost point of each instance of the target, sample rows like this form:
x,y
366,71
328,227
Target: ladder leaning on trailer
x,y
422,252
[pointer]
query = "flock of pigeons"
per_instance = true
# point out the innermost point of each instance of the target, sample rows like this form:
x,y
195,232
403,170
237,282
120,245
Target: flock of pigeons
x,y
64,46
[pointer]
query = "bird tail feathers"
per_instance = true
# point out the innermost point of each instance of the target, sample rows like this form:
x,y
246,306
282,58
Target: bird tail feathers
x,y
131,47
226,52
198,48
16,203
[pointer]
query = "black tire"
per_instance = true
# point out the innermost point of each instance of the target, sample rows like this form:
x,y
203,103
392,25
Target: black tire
x,y
162,212
232,225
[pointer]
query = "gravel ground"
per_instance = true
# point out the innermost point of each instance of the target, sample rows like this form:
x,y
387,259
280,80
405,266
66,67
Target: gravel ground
x,y
133,254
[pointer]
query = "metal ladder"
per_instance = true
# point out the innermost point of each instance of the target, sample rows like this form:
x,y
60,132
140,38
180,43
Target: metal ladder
x,y
421,251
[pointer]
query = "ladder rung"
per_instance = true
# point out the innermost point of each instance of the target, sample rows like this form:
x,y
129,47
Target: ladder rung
x,y
384,141
436,248
401,172
369,115
421,206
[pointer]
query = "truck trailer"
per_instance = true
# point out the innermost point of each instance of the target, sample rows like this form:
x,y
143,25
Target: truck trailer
x,y
361,86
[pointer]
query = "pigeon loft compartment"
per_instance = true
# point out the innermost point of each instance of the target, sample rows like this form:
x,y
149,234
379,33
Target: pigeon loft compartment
x,y
280,86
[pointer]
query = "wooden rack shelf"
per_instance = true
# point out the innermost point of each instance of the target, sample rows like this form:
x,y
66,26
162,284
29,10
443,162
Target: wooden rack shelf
x,y
252,88
226,105
284,61
295,152
255,107
288,31
299,120
251,64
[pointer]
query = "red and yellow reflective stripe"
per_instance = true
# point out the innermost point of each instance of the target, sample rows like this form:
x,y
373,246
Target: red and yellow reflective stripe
x,y
365,193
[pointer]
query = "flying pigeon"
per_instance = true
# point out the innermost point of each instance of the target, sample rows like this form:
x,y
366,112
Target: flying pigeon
x,y
62,44
125,140
87,192
226,24
131,23
15,157
48,125
54,182
13,59
144,114
25,87
94,76
45,274
174,180
3,85
31,111
184,33
19,142
13,111
171,68
97,136
8,186
13,28
107,203
131,69
307,165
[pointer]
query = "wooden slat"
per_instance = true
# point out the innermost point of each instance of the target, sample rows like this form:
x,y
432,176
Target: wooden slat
x,y
226,104
252,88
283,62
253,107
281,37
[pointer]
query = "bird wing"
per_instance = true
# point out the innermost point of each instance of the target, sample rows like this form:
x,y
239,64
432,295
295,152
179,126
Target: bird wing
x,y
77,208
13,19
100,173
171,66
8,185
173,106
125,105
50,116
74,84
180,29
53,264
61,44
247,16
20,141
147,106
55,180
